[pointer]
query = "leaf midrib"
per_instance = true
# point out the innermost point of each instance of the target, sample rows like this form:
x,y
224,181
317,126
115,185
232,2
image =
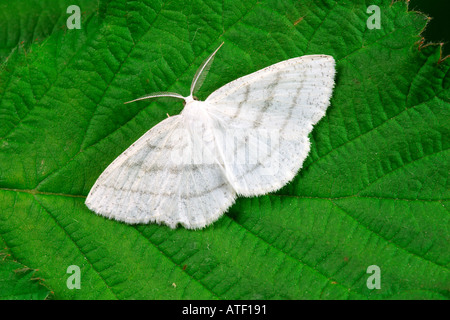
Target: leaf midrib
x,y
355,196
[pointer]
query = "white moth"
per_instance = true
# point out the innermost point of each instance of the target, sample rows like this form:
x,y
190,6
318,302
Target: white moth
x,y
248,138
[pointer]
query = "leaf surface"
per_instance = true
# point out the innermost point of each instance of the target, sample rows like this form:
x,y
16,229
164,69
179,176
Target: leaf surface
x,y
373,190
18,282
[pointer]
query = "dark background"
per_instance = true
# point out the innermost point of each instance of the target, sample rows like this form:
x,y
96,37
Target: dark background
x,y
438,29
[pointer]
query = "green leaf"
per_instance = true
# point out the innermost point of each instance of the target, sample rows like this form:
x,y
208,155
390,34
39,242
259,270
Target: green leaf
x,y
26,21
17,281
373,190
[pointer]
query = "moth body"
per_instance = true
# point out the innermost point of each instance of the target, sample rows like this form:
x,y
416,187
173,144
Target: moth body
x,y
248,138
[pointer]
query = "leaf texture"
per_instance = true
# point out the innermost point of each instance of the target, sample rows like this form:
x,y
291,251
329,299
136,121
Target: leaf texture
x,y
373,190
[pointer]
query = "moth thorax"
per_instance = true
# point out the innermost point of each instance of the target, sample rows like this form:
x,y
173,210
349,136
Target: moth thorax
x,y
193,108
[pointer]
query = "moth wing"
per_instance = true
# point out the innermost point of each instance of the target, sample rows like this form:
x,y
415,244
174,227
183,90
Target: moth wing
x,y
264,118
159,179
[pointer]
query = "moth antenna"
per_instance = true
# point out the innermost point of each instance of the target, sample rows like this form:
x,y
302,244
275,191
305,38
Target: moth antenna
x,y
158,95
202,71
